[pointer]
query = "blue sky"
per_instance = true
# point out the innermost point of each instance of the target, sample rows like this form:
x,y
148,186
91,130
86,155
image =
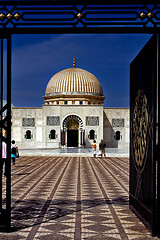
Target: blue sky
x,y
36,58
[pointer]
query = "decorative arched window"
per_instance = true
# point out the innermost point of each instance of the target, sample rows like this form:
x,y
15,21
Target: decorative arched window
x,y
92,134
52,134
28,134
118,135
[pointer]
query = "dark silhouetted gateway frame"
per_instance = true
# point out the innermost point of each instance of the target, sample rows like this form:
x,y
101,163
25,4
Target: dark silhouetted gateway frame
x,y
118,16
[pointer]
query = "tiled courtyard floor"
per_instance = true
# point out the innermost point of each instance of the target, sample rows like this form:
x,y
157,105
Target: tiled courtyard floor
x,y
77,198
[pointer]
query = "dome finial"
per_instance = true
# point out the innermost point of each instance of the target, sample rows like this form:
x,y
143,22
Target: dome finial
x,y
74,62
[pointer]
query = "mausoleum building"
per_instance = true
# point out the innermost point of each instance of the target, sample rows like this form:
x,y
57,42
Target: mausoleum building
x,y
73,115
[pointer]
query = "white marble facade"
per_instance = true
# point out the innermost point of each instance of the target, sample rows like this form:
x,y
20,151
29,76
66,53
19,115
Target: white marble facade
x,y
111,120
116,123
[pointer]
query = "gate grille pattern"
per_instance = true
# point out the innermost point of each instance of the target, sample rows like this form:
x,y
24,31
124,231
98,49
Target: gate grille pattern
x,y
74,16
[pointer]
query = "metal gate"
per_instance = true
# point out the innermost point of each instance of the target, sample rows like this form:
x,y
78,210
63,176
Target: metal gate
x,y
137,16
143,142
5,126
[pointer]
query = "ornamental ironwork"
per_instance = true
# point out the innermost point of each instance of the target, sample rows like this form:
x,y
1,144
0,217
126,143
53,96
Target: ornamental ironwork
x,y
140,137
79,16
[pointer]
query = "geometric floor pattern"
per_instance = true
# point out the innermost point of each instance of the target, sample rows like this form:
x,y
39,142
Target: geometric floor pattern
x,y
72,198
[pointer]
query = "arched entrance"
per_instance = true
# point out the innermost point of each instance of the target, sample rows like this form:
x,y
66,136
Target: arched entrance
x,y
72,133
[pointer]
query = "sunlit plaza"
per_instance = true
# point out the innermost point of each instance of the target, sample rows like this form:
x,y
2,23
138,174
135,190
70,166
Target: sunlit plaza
x,y
67,198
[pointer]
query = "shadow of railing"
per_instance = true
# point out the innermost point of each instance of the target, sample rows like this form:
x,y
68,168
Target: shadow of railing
x,y
30,213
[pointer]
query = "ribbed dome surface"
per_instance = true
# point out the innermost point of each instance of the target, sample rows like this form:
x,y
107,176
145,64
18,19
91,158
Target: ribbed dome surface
x,y
74,80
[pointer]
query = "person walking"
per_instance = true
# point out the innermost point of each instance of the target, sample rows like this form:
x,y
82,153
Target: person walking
x,y
14,152
94,146
102,146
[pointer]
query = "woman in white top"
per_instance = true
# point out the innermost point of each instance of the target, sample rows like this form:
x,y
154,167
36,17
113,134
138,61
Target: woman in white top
x,y
4,154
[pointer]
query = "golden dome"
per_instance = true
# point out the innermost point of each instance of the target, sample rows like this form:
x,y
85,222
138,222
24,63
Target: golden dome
x,y
73,81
